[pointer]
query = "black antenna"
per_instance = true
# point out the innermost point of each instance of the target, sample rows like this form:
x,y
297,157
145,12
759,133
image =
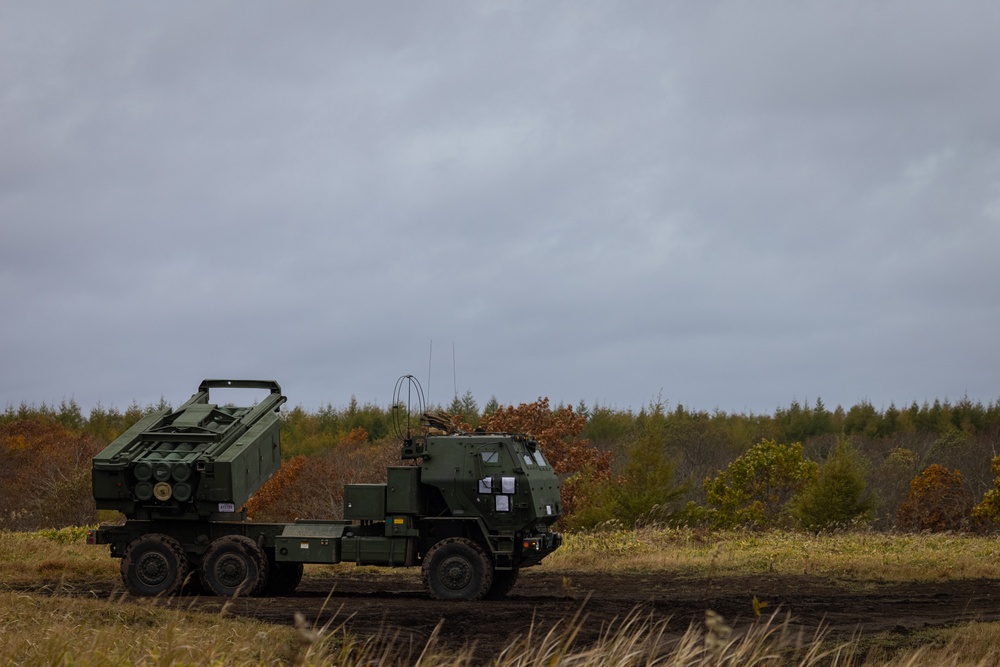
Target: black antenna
x,y
414,393
454,369
430,355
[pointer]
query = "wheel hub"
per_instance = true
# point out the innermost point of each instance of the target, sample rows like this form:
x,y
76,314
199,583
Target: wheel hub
x,y
231,570
152,569
456,573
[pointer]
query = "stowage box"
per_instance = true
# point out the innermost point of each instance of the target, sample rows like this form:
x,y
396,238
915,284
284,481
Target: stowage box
x,y
364,502
403,490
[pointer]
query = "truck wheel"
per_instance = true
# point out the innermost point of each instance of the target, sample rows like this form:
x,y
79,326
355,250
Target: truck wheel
x,y
503,581
457,569
283,578
154,564
234,566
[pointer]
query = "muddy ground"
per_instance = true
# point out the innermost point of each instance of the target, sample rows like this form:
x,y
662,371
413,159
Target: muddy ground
x,y
373,602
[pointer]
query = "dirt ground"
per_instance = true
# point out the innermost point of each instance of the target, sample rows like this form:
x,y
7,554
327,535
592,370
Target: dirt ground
x,y
371,602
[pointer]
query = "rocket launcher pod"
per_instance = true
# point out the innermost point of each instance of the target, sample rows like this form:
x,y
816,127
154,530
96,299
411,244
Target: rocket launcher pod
x,y
201,461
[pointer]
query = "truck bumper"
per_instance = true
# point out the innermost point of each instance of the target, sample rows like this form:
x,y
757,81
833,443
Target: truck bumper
x,y
535,548
116,536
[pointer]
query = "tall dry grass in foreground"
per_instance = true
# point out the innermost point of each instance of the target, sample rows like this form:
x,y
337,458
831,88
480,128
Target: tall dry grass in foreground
x,y
57,630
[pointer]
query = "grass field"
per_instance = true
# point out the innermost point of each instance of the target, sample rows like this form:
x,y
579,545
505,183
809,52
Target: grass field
x,y
47,616
848,555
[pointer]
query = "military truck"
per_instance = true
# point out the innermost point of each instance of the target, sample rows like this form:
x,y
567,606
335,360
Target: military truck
x,y
471,509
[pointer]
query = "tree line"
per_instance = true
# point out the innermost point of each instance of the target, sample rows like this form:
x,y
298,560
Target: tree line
x,y
929,466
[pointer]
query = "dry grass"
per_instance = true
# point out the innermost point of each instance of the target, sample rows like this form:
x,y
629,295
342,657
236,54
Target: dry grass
x,y
55,630
58,630
850,555
641,640
968,644
51,557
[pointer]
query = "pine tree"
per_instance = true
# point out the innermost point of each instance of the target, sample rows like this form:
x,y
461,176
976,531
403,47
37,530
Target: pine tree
x,y
836,496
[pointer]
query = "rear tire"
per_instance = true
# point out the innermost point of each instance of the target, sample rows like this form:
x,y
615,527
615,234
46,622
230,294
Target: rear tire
x,y
154,564
234,566
457,568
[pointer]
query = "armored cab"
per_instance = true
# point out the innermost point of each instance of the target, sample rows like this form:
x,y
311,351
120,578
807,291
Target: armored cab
x,y
472,498
501,478
201,461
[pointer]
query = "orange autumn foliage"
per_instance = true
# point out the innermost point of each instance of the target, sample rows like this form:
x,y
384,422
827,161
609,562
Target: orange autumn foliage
x,y
45,478
313,487
938,502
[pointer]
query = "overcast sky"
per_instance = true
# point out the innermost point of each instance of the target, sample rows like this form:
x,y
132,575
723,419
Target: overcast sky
x,y
727,205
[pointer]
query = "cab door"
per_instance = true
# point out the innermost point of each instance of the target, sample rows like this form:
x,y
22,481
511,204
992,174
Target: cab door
x,y
495,484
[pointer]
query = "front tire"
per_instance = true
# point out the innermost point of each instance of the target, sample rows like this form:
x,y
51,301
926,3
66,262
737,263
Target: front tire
x,y
503,581
234,566
154,564
457,569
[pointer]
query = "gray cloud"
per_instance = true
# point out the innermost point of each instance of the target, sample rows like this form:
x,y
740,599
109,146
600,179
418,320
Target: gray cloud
x,y
737,205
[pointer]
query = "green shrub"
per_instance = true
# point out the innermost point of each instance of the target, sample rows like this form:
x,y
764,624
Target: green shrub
x,y
67,535
644,490
755,488
836,496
